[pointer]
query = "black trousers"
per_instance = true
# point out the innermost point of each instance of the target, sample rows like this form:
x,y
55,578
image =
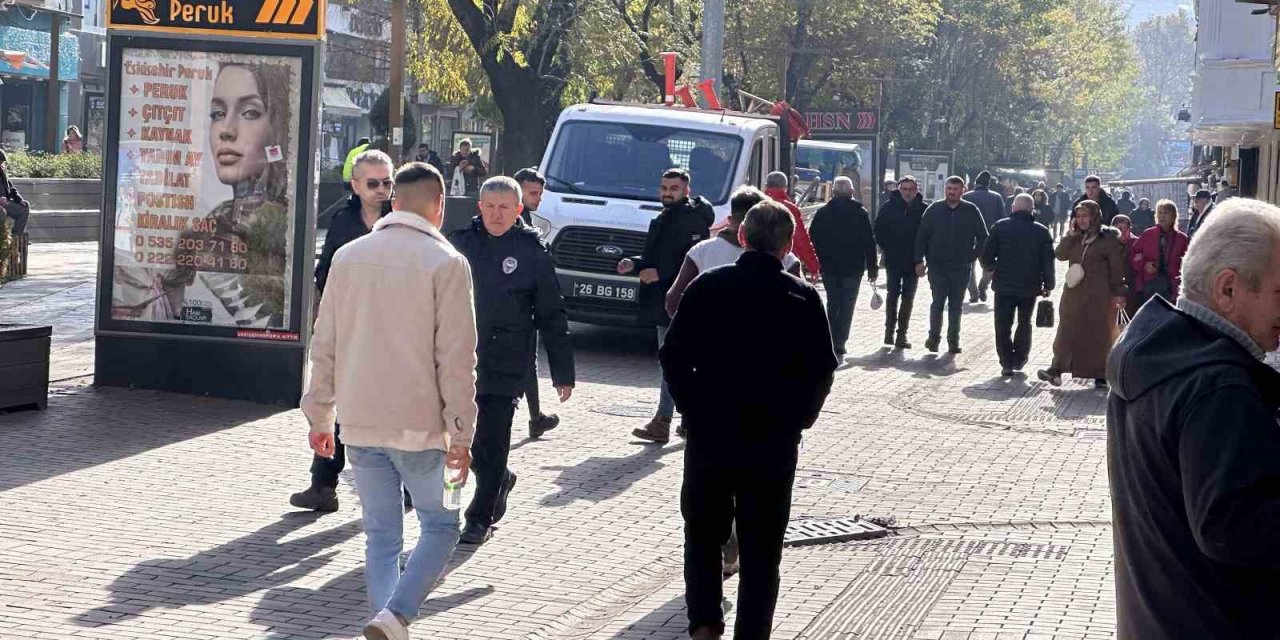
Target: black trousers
x,y
531,391
751,483
1014,348
324,471
902,291
948,285
489,451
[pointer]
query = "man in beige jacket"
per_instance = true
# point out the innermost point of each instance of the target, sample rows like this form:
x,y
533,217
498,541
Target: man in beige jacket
x,y
394,354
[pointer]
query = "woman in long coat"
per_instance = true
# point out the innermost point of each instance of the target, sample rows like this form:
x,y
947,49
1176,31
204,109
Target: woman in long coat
x,y
1091,302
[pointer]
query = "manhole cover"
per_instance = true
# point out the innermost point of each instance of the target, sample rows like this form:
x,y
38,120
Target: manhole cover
x,y
625,410
806,532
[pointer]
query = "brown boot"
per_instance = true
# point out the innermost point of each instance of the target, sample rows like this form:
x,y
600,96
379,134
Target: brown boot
x,y
658,430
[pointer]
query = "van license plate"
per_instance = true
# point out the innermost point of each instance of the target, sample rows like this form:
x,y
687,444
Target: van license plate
x,y
603,290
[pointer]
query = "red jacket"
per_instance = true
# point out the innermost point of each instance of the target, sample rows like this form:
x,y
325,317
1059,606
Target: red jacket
x,y
1147,251
803,246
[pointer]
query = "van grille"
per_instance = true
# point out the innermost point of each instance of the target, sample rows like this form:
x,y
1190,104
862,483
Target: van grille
x,y
584,248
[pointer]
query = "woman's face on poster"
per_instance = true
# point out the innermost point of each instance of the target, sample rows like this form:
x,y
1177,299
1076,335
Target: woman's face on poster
x,y
239,127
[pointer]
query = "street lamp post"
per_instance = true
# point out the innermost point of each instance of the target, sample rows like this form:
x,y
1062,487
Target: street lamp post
x,y
395,119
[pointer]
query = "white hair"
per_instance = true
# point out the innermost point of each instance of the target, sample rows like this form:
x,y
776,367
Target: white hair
x,y
777,179
842,187
372,156
502,184
1024,202
1240,235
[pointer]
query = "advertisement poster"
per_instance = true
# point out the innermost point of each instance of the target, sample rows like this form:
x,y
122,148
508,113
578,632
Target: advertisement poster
x,y
207,163
14,137
930,168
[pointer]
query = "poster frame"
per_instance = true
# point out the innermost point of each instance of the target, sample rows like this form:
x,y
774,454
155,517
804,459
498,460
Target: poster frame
x,y
872,140
949,156
301,267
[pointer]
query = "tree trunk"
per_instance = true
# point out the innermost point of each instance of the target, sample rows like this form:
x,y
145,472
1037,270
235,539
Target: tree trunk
x,y
526,127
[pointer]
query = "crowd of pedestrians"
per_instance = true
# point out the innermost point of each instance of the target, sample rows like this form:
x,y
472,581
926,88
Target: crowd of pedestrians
x,y
467,315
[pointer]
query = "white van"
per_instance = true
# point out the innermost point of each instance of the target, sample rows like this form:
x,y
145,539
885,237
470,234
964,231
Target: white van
x,y
603,165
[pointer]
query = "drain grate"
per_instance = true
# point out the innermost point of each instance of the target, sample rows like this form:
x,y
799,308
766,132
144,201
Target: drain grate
x,y
625,410
807,532
1091,434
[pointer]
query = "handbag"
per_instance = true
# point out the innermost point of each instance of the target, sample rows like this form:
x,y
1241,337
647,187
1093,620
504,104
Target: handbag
x,y
1075,273
1044,314
876,300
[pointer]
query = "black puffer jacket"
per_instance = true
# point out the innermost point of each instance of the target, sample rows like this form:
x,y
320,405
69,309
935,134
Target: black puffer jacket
x,y
671,234
516,290
347,225
843,238
1020,251
1193,455
896,228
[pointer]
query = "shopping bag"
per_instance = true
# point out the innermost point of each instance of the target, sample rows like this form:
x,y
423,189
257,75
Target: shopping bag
x,y
876,300
1044,314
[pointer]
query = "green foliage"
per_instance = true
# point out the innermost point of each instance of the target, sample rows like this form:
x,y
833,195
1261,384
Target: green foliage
x,y
7,248
62,165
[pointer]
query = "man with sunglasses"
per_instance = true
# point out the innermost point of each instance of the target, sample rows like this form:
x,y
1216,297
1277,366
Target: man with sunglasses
x,y
371,185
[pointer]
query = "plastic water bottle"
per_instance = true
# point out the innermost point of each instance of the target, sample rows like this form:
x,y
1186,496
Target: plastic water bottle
x,y
452,491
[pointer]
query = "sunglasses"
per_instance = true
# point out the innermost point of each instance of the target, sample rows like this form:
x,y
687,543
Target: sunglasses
x,y
374,183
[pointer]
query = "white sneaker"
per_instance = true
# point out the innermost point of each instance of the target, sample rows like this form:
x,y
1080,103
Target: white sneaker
x,y
385,626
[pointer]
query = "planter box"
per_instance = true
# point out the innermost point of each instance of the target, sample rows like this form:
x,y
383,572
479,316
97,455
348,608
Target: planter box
x,y
60,194
24,366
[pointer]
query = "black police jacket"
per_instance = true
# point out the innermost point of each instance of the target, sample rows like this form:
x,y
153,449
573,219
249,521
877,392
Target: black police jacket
x,y
671,234
1193,455
516,291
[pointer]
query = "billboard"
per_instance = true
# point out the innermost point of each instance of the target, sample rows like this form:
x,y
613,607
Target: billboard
x,y
206,194
930,169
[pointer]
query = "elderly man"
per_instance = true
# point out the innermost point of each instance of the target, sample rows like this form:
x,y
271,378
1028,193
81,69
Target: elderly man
x,y
746,399
951,236
517,292
1193,445
846,248
394,352
1200,212
775,186
1019,254
371,186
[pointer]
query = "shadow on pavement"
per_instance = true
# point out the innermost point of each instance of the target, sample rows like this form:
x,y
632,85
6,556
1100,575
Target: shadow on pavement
x,y
927,365
999,388
89,427
668,622
339,607
255,562
598,478
614,340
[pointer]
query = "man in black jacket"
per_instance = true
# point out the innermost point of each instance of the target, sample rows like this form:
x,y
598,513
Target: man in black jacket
x,y
371,184
1202,207
517,292
746,396
952,234
684,222
1093,191
846,247
1060,200
1019,254
532,184
1193,450
895,230
992,206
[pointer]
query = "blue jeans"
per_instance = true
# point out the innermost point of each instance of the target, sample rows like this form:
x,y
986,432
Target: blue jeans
x,y
379,474
666,404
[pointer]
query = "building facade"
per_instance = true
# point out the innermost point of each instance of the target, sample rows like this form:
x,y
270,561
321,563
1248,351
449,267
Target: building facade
x,y
1234,99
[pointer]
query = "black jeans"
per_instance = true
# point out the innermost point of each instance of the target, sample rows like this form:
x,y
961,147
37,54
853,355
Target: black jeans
x,y
324,471
489,451
749,482
1015,349
947,284
531,391
842,297
902,286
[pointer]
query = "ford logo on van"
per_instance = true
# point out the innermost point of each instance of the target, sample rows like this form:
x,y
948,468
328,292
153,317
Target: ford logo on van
x,y
608,250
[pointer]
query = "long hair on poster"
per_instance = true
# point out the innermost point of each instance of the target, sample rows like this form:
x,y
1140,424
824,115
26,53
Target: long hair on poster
x,y
207,161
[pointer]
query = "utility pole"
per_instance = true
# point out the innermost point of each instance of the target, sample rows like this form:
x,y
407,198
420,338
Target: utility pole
x,y
53,99
713,42
395,120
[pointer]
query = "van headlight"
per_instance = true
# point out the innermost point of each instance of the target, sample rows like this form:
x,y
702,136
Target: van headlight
x,y
542,224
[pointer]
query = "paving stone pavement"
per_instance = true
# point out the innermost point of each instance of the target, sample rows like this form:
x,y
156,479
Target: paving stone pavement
x,y
143,515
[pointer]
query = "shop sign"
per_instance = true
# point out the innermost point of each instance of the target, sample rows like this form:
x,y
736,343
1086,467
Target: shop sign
x,y
270,18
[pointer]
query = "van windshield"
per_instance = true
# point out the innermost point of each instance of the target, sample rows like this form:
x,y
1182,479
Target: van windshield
x,y
626,160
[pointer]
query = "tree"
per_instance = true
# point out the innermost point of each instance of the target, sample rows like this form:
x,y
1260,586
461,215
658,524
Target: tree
x,y
1165,48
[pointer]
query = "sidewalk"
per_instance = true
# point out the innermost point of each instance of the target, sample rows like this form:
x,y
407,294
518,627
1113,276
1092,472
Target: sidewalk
x,y
142,515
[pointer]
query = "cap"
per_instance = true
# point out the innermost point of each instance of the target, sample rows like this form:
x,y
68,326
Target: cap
x,y
1204,194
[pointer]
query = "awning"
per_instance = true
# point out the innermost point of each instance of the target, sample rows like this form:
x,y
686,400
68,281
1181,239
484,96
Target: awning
x,y
336,102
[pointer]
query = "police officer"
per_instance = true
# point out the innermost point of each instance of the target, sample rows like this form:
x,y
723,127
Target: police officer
x,y
516,293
